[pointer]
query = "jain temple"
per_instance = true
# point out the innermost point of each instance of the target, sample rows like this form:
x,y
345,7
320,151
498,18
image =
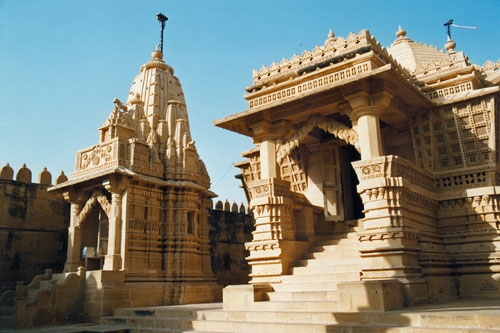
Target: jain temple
x,y
372,205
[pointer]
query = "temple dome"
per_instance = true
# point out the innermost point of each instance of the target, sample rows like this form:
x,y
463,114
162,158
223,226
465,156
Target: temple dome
x,y
410,54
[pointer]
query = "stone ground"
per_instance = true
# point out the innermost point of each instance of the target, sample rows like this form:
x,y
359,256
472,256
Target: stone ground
x,y
457,308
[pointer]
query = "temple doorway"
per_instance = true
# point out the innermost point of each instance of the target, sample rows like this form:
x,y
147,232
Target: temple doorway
x,y
331,180
94,231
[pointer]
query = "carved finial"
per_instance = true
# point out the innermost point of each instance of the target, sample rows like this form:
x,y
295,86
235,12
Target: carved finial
x,y
401,32
450,45
331,35
157,54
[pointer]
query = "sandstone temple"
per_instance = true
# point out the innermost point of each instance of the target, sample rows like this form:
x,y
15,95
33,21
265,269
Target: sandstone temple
x,y
372,185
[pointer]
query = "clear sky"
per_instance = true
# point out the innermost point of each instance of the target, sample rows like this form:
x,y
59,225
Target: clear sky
x,y
63,62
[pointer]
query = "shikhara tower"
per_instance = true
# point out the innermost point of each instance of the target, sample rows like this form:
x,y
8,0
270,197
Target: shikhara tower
x,y
140,198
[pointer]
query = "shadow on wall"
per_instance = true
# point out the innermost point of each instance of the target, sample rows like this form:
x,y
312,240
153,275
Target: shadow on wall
x,y
33,226
230,227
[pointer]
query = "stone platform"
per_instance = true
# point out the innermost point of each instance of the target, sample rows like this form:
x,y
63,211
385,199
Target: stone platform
x,y
465,315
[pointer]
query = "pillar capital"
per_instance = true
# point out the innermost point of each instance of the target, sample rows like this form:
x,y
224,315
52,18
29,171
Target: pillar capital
x,y
116,183
268,130
75,196
364,101
364,111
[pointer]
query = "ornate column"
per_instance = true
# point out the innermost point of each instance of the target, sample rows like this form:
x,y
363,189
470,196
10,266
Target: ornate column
x,y
73,256
366,108
273,248
397,211
268,167
400,214
116,184
368,129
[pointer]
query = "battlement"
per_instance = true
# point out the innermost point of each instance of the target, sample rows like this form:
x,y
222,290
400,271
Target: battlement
x,y
24,175
233,208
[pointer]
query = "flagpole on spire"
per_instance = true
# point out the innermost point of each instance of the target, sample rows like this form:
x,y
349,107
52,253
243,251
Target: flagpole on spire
x,y
162,19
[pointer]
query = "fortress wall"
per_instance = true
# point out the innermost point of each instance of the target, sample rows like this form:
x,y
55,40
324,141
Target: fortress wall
x,y
33,226
230,227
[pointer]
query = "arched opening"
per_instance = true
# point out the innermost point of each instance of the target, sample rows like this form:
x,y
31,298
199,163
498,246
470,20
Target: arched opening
x,y
94,231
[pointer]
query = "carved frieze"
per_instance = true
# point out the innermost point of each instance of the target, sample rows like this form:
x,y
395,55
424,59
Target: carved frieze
x,y
339,130
99,157
271,187
95,197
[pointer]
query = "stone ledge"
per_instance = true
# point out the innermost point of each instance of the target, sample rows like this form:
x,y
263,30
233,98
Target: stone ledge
x,y
359,296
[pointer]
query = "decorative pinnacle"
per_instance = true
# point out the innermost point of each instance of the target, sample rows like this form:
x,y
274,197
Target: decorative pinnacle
x,y
331,35
450,45
157,54
401,32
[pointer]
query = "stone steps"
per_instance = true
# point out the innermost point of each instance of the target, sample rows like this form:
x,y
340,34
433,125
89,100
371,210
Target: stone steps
x,y
315,278
328,277
305,286
333,248
300,296
327,261
244,326
325,269
336,238
214,319
349,253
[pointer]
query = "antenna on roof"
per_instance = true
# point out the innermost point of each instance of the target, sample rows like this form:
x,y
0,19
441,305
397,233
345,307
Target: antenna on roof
x,y
450,24
162,19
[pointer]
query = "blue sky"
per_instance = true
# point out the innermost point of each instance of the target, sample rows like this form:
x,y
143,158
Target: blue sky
x,y
63,62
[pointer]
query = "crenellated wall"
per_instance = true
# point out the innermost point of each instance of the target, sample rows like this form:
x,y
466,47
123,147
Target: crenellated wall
x,y
33,225
231,227
34,222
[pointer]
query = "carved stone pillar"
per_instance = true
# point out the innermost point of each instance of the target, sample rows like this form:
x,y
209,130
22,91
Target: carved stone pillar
x,y
74,241
73,260
274,247
368,129
366,104
113,259
400,209
268,167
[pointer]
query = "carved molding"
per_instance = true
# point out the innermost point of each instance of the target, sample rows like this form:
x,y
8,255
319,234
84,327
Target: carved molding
x,y
341,131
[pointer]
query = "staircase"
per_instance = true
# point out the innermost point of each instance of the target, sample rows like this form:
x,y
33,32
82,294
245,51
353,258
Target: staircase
x,y
312,286
306,301
310,289
460,317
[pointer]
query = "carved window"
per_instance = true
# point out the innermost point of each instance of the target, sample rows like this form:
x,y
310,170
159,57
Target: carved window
x,y
292,170
190,223
453,137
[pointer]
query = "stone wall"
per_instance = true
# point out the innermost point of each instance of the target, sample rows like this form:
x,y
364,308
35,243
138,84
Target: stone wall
x,y
33,226
230,227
